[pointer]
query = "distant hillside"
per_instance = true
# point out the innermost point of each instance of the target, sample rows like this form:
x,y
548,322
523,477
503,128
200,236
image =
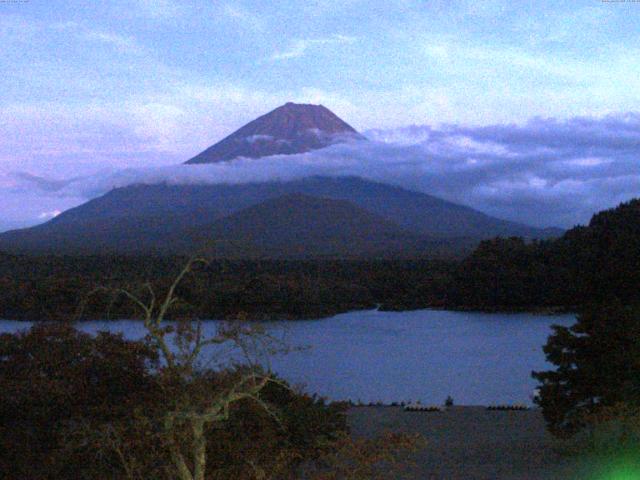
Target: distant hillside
x,y
291,128
157,218
299,226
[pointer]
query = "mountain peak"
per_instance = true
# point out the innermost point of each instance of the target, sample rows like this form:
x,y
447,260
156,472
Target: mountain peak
x,y
301,106
293,104
291,128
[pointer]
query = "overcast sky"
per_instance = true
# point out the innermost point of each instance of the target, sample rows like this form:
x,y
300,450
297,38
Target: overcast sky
x,y
524,109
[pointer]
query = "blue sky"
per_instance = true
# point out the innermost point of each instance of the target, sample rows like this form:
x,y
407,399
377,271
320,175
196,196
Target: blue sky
x,y
88,85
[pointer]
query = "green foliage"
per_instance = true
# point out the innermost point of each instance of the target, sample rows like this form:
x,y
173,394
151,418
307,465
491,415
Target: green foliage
x,y
306,429
384,457
611,431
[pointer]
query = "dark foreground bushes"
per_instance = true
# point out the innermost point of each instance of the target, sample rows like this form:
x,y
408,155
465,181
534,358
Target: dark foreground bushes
x,y
54,379
76,406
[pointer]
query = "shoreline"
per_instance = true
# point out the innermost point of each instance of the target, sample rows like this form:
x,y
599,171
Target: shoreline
x,y
551,311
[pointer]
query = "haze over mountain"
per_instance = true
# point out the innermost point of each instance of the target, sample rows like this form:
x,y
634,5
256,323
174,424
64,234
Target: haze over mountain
x,y
314,216
290,128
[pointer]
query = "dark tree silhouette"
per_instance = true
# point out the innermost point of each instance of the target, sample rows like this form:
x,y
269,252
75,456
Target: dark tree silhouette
x,y
597,366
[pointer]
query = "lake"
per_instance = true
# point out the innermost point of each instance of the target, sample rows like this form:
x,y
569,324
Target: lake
x,y
477,358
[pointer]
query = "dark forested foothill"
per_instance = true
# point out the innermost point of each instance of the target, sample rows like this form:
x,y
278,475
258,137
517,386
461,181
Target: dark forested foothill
x,y
589,263
586,265
52,287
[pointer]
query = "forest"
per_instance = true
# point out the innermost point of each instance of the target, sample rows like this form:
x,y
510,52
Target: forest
x,y
585,265
57,288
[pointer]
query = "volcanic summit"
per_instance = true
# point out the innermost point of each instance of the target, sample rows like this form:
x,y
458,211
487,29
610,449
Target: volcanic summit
x,y
290,128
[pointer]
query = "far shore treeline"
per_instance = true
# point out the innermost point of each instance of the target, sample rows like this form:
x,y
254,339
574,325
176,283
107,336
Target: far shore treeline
x,y
587,264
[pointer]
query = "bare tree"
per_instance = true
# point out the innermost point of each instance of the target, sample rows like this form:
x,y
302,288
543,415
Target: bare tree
x,y
192,406
197,397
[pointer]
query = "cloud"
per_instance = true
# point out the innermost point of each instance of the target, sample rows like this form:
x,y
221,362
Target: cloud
x,y
49,215
122,43
258,138
125,44
23,208
456,55
151,128
545,172
42,183
15,28
301,46
242,16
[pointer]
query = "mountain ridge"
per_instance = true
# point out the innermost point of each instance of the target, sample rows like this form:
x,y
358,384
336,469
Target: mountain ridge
x,y
143,217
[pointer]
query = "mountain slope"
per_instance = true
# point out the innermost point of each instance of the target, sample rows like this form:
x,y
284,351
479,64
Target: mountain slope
x,y
291,128
144,217
298,226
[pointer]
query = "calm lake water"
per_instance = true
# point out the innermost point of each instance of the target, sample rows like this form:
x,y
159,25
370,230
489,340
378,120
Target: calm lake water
x,y
425,355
